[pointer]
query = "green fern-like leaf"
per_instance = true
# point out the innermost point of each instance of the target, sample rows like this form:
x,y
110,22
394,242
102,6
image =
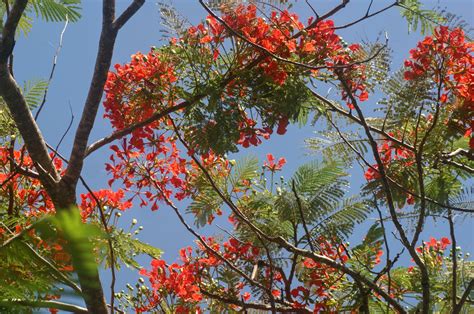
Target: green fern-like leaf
x,y
341,222
57,10
245,169
418,17
34,91
314,176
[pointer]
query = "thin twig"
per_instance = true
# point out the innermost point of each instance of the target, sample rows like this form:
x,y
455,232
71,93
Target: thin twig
x,y
300,208
53,68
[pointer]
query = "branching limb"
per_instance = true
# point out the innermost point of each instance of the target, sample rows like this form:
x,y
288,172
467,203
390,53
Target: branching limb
x,y
389,198
53,68
290,247
300,209
403,144
464,297
252,305
13,97
419,167
128,13
103,60
7,41
44,304
367,15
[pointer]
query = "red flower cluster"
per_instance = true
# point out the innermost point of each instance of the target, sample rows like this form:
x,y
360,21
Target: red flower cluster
x,y
271,165
176,280
434,245
114,200
146,85
287,37
389,152
432,252
138,89
28,193
318,278
448,58
182,280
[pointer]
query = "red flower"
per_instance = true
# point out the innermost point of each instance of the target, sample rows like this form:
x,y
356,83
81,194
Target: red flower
x,y
271,165
445,242
378,256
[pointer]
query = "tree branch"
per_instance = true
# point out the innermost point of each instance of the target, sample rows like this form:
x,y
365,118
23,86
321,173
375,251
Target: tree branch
x,y
128,13
464,297
300,209
44,304
251,305
401,143
389,197
103,60
287,245
7,41
13,97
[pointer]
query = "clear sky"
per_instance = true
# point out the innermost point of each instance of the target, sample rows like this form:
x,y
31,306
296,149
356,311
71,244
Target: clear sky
x,y
33,59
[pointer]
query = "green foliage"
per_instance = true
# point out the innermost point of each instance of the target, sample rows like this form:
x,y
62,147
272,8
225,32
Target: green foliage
x,y
378,67
28,270
364,252
317,191
403,99
33,92
57,10
419,18
47,10
321,190
331,146
220,120
126,248
79,237
465,199
245,169
173,22
23,275
8,126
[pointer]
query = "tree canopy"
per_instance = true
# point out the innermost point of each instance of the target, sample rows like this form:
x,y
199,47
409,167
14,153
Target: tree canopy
x,y
241,76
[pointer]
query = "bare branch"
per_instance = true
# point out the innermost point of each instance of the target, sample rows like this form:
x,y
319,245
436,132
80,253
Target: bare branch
x,y
53,68
7,41
128,130
367,15
128,13
464,297
300,208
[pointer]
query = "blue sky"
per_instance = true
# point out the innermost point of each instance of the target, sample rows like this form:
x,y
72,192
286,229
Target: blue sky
x,y
33,58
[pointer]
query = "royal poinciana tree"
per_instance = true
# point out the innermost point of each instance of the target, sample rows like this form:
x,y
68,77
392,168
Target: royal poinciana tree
x,y
243,74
